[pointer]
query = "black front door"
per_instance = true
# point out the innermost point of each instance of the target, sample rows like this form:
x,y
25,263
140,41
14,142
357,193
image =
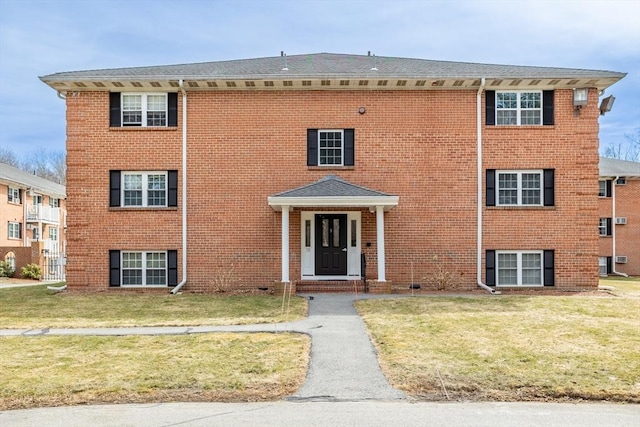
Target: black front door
x,y
331,245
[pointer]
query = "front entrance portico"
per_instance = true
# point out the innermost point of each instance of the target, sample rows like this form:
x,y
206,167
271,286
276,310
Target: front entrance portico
x,y
331,228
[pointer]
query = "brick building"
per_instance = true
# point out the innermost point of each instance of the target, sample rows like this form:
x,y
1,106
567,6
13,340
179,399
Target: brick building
x,y
308,168
32,214
619,227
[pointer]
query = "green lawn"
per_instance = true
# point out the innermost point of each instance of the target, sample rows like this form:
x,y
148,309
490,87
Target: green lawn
x,y
510,348
36,307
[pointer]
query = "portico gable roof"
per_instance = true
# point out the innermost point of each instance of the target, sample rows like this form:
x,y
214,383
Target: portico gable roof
x,y
332,191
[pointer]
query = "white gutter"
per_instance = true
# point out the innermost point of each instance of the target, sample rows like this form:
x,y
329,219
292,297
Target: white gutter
x,y
479,203
613,229
184,189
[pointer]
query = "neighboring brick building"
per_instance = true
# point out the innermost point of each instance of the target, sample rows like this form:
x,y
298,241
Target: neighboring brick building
x,y
299,168
619,225
32,210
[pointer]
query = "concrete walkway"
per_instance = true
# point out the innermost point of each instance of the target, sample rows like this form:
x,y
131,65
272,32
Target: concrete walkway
x,y
344,387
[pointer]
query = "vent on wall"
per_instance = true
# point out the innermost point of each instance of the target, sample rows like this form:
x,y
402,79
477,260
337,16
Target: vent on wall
x,y
621,181
621,260
621,220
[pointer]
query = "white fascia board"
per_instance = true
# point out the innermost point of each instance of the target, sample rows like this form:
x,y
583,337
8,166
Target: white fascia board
x,y
389,202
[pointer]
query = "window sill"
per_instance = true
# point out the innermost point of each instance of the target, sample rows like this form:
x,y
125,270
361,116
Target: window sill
x,y
141,209
143,128
518,208
605,237
519,286
528,127
330,168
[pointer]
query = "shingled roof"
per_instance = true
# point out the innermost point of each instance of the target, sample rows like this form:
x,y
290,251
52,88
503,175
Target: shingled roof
x,y
21,179
341,68
614,167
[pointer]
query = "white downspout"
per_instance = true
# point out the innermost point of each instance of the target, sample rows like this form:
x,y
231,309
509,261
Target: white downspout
x,y
184,189
613,229
479,203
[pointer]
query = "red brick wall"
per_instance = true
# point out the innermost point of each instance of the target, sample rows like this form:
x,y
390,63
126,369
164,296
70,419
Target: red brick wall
x,y
627,235
246,146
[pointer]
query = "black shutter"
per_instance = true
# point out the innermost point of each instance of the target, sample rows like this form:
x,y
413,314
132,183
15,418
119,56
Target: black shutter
x,y
490,107
609,226
547,107
114,109
172,196
491,187
349,144
609,265
490,265
608,188
549,268
172,264
114,188
114,268
172,104
312,147
549,187
20,230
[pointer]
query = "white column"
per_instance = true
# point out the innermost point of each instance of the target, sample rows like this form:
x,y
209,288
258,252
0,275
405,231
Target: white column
x,y
285,244
380,239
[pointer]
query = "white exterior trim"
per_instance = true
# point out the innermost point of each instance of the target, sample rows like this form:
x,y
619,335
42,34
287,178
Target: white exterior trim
x,y
386,202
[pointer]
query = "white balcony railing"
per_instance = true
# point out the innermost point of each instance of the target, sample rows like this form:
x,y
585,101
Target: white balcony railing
x,y
51,246
43,213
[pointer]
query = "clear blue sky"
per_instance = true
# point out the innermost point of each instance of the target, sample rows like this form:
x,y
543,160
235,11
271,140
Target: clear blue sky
x,y
39,37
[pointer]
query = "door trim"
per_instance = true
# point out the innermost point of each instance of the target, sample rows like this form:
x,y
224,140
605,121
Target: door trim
x,y
307,245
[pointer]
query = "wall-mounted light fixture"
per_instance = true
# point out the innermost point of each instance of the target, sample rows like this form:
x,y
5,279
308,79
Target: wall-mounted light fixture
x,y
362,110
606,104
579,99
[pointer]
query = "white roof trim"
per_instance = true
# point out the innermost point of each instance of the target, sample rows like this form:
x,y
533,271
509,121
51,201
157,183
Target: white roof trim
x,y
388,202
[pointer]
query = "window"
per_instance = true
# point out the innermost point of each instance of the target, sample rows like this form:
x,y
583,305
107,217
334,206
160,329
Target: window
x,y
604,188
605,227
139,268
14,195
143,189
54,203
143,109
330,147
10,258
37,199
53,233
520,188
520,268
519,108
603,265
14,230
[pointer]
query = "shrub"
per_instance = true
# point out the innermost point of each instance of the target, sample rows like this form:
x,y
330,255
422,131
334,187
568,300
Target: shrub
x,y
6,270
32,271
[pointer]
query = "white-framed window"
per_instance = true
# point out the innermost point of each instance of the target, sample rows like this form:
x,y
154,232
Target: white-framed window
x,y
37,199
143,268
53,233
518,108
144,189
604,227
13,230
603,188
54,202
13,195
331,147
602,266
144,109
519,268
519,188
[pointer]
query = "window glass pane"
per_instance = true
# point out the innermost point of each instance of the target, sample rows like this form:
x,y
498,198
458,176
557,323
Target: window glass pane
x,y
602,265
530,100
508,269
603,226
336,233
531,269
531,117
307,233
602,188
156,102
330,144
156,186
132,190
530,188
132,110
354,235
325,233
507,189
132,268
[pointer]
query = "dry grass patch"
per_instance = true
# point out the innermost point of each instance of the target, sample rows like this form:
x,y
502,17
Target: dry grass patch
x,y
509,348
35,307
622,286
46,371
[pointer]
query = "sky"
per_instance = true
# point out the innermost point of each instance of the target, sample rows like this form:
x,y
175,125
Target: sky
x,y
40,37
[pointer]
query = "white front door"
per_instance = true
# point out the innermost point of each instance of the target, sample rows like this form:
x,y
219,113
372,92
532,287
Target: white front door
x,y
311,228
